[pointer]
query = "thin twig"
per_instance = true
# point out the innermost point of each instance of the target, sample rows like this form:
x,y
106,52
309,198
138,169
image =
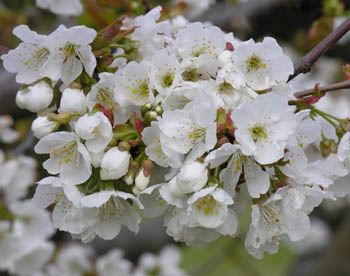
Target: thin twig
x,y
305,64
25,145
3,50
323,89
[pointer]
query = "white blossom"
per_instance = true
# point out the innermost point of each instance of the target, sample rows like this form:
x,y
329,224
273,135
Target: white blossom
x,y
28,59
280,214
133,84
70,53
96,130
17,175
68,157
195,129
264,128
61,7
209,206
105,93
7,135
113,263
166,263
113,211
261,64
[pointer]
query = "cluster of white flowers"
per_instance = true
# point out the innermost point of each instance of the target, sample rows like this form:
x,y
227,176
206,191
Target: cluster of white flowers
x,y
24,233
79,260
24,228
192,128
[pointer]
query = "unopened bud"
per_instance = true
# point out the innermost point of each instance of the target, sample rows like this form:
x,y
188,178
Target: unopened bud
x,y
41,127
159,110
142,181
73,101
144,175
35,98
145,108
151,116
130,176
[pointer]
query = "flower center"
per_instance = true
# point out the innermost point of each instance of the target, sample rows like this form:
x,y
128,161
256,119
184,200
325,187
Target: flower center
x,y
226,88
208,205
197,135
141,92
37,58
70,49
258,132
67,154
269,214
105,97
254,63
167,80
191,75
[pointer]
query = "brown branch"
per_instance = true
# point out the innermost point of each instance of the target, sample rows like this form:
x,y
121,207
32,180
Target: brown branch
x,y
323,89
305,64
3,50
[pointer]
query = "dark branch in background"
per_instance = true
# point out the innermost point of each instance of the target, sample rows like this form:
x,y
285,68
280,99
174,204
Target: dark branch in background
x,y
323,89
3,50
26,145
257,18
305,64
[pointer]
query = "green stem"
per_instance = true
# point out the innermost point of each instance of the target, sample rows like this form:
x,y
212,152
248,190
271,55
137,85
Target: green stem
x,y
116,45
120,56
216,173
324,114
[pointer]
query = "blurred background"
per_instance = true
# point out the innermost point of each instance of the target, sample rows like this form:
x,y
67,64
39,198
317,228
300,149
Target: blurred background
x,y
298,25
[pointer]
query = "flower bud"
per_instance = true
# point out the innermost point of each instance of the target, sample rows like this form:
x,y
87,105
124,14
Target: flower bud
x,y
114,164
41,127
159,110
151,116
35,98
141,181
224,58
130,176
73,101
192,177
144,175
145,108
